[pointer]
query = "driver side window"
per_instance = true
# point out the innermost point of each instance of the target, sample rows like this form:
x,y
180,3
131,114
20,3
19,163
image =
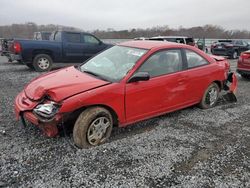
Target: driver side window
x,y
90,40
163,62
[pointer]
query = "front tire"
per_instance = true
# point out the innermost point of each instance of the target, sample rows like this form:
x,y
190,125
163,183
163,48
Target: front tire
x,y
42,63
210,97
93,127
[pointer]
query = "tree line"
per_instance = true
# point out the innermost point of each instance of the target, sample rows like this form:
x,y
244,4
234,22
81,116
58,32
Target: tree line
x,y
207,31
27,30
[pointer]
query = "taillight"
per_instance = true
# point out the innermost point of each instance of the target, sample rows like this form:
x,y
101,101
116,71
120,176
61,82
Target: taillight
x,y
17,47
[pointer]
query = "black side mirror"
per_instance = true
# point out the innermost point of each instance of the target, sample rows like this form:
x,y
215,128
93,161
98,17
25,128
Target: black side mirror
x,y
139,76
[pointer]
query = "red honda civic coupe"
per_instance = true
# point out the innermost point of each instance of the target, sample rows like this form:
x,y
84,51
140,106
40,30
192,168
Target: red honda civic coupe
x,y
129,82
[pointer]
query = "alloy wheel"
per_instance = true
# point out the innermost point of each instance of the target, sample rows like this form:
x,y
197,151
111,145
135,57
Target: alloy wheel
x,y
212,96
43,63
97,130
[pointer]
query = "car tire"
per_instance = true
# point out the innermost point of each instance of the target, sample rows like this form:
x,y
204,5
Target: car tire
x,y
210,96
42,63
234,55
93,127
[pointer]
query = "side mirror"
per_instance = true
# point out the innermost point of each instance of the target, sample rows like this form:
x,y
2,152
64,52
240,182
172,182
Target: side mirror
x,y
139,76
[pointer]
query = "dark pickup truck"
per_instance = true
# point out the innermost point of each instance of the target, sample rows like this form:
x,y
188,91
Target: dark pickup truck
x,y
231,48
63,46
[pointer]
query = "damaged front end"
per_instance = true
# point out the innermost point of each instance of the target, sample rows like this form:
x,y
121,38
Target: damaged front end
x,y
230,87
42,113
231,83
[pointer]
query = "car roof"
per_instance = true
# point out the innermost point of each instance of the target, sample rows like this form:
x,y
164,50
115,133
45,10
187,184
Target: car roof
x,y
147,44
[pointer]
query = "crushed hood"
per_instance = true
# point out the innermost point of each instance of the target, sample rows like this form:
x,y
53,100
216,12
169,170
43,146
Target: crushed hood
x,y
62,84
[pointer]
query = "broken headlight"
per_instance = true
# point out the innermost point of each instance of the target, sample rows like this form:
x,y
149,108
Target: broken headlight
x,y
47,110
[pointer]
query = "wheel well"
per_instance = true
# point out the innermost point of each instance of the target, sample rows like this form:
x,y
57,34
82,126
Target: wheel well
x,y
47,52
219,83
113,113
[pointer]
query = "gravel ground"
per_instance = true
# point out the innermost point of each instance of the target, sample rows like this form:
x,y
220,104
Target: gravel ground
x,y
187,148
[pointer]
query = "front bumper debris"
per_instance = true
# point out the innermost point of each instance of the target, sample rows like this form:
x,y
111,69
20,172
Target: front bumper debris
x,y
230,86
24,111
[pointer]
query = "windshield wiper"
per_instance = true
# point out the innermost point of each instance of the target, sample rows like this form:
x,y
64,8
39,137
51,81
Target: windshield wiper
x,y
92,73
96,75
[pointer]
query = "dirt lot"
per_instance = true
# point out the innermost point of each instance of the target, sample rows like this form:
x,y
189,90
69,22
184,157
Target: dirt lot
x,y
187,148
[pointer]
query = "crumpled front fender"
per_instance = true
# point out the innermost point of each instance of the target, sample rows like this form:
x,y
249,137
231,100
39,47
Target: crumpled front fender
x,y
230,86
231,83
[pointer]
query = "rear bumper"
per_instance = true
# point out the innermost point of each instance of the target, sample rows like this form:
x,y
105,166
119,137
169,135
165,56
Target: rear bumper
x,y
222,52
243,71
12,57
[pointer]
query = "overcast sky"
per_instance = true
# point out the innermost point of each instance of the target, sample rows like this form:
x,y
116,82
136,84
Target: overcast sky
x,y
128,14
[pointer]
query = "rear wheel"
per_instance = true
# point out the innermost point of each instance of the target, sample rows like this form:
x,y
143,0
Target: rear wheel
x,y
93,127
210,96
42,63
235,55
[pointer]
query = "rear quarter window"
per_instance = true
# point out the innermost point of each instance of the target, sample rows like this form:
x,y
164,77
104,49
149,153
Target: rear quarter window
x,y
194,59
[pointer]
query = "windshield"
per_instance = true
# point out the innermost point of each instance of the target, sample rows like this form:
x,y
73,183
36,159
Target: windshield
x,y
113,64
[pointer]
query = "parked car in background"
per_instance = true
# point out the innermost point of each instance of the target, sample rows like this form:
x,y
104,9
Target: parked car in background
x,y
130,82
178,39
243,65
231,48
42,35
63,46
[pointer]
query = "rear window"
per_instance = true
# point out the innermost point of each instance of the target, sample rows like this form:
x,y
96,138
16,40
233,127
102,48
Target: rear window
x,y
46,36
57,36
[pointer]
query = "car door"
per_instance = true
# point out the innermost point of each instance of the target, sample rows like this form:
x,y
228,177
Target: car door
x,y
197,74
72,47
162,92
